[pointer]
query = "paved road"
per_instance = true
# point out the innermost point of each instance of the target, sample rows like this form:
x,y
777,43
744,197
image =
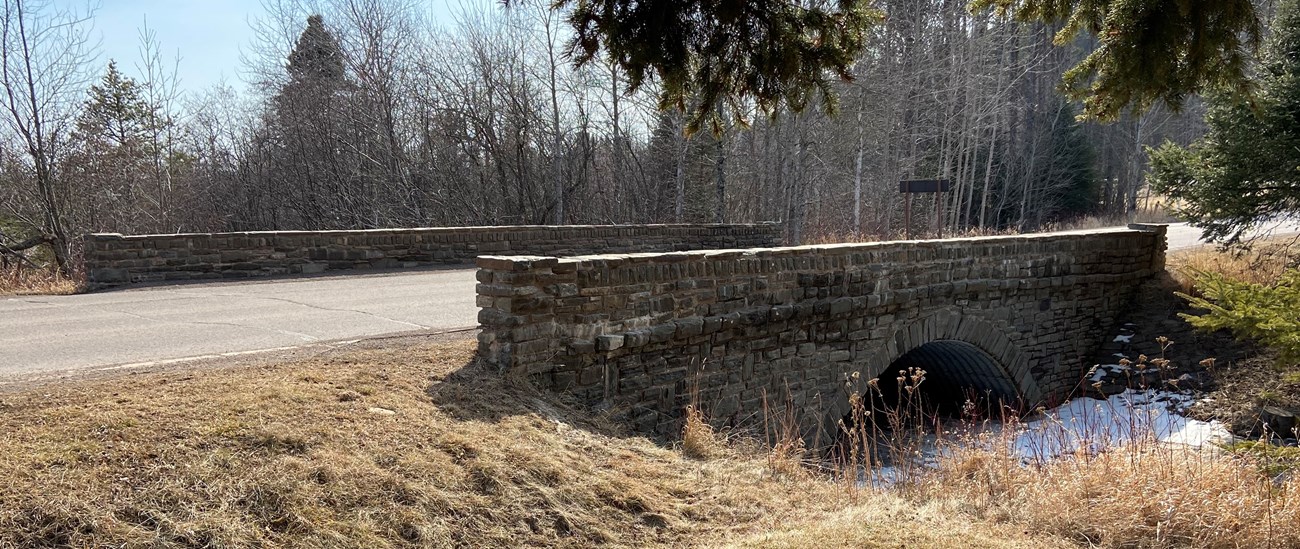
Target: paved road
x,y
169,323
165,323
1181,235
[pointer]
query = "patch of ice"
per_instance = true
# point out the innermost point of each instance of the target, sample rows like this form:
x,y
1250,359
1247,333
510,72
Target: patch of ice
x,y
1123,338
1098,425
1086,424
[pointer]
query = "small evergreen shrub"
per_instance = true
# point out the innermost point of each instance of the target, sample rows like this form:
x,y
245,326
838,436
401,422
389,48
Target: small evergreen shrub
x,y
1267,313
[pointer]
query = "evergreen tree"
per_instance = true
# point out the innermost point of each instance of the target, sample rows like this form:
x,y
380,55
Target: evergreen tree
x,y
1269,314
110,160
1148,50
1246,169
307,132
776,54
315,69
316,57
715,57
1072,162
115,112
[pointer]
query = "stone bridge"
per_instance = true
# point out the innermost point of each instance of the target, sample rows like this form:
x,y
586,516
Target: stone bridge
x,y
1012,317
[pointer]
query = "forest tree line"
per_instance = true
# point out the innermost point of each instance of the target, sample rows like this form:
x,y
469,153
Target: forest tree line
x,y
368,114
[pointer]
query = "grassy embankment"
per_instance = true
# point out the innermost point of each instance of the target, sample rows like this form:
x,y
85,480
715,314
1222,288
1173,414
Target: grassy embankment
x,y
401,447
415,447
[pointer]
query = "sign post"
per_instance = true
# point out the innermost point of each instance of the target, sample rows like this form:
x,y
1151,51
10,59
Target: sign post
x,y
936,186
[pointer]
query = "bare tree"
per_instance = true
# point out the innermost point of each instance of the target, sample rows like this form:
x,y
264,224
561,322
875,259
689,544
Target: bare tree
x,y
486,121
43,67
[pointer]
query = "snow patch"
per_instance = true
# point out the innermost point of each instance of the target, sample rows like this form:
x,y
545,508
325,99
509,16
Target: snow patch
x,y
1085,424
1102,371
1099,425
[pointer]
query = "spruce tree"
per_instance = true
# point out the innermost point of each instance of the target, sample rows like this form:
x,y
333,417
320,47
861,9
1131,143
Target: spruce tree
x,y
116,112
1147,51
1071,162
312,188
110,159
1267,313
715,56
1246,169
728,56
316,57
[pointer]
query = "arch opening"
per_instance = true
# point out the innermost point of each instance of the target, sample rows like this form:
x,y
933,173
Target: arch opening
x,y
955,372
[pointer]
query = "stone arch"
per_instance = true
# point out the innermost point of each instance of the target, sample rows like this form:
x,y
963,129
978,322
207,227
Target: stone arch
x,y
955,371
958,334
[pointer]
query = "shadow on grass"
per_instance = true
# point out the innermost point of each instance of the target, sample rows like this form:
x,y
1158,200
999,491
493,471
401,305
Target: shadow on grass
x,y
478,391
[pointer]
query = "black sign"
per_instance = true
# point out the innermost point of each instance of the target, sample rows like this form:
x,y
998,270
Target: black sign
x,y
924,186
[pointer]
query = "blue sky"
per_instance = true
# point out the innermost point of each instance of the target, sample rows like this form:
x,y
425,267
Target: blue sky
x,y
207,34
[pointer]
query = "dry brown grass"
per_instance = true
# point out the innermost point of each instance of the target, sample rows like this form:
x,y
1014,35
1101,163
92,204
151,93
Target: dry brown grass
x,y
420,446
367,448
699,440
30,281
888,521
1147,495
372,449
1263,263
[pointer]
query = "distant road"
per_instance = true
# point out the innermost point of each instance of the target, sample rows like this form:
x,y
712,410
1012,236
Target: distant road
x,y
150,325
1182,235
145,325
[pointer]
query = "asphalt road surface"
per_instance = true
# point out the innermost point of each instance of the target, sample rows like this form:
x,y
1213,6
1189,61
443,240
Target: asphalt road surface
x,y
1181,235
165,324
148,325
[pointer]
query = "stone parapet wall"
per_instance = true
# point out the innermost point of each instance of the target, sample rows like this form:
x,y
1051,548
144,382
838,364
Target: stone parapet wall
x,y
649,333
114,259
